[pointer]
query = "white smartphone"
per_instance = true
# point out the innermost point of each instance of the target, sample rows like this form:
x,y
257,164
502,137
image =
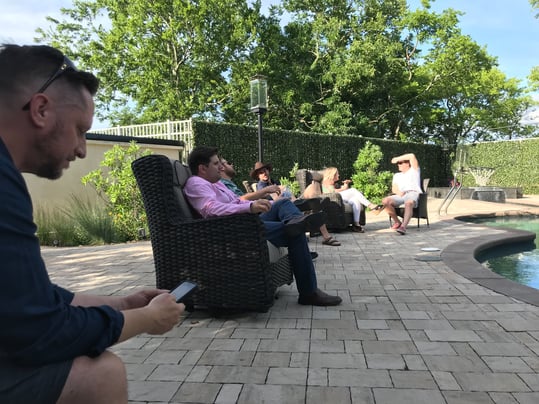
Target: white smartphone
x,y
184,290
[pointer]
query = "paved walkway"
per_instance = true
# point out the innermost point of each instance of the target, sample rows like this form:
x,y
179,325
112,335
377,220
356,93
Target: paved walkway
x,y
410,330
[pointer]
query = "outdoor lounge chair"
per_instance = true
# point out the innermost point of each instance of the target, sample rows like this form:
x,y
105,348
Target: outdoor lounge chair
x,y
340,214
249,186
228,256
420,211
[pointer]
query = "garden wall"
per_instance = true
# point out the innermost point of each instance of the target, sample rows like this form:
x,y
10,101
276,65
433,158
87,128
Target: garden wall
x,y
57,193
515,163
283,148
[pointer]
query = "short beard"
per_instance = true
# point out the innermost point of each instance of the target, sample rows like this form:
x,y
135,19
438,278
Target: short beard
x,y
50,172
49,168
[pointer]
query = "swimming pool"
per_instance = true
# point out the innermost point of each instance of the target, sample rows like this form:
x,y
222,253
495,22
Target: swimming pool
x,y
517,262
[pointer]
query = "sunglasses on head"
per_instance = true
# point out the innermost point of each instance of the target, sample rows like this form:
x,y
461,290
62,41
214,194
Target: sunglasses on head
x,y
65,66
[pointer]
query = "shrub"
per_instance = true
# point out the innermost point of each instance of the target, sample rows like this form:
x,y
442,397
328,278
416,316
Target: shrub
x,y
93,220
374,184
54,228
116,186
291,182
80,223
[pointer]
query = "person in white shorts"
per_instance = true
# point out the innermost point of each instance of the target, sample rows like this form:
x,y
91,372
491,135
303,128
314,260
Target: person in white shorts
x,y
406,187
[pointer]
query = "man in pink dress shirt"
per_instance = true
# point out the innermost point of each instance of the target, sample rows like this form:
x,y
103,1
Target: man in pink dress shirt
x,y
285,225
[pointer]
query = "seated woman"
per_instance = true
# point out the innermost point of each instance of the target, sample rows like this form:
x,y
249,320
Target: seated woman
x,y
261,173
349,195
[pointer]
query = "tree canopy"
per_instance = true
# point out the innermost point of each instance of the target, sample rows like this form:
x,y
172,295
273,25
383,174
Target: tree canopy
x,y
534,75
360,67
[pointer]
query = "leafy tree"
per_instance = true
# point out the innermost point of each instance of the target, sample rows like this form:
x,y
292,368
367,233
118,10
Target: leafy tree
x,y
469,99
116,185
361,67
374,184
535,4
165,60
534,75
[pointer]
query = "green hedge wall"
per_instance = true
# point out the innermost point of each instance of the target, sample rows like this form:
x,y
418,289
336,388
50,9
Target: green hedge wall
x,y
515,163
282,148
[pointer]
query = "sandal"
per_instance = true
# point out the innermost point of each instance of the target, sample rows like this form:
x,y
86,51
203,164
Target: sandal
x,y
401,230
396,225
358,229
377,209
331,241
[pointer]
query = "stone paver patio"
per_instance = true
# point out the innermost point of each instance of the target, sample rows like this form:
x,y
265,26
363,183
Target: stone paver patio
x,y
410,330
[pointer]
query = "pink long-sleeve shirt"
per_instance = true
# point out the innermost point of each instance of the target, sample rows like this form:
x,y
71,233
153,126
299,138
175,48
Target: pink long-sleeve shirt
x,y
213,199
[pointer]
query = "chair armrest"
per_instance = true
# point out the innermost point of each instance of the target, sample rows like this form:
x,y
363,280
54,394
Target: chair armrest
x,y
333,197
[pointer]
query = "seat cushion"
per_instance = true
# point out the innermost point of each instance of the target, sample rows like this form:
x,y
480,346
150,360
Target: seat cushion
x,y
276,253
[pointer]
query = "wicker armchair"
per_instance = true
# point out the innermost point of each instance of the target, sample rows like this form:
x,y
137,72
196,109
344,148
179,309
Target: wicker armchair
x,y
227,256
421,211
340,214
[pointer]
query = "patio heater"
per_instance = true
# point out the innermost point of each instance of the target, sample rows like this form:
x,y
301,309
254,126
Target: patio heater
x,y
259,105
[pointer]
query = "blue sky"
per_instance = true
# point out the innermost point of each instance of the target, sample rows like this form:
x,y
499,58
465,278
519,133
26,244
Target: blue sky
x,y
508,29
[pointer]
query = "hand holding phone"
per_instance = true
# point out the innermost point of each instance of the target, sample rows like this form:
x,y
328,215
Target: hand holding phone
x,y
183,291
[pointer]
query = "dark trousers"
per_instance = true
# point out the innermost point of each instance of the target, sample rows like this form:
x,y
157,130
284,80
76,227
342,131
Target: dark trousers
x,y
281,211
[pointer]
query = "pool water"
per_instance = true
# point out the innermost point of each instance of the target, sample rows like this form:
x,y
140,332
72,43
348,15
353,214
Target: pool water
x,y
518,261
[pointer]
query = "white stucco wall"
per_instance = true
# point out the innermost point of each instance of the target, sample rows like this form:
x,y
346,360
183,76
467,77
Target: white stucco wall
x,y
57,193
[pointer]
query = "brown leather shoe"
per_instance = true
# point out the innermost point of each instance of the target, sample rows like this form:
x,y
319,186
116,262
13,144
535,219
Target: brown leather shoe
x,y
319,298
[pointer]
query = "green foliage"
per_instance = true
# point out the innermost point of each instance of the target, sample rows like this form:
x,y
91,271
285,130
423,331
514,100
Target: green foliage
x,y
367,178
291,182
116,186
93,220
167,61
514,163
81,222
535,4
54,228
338,67
284,148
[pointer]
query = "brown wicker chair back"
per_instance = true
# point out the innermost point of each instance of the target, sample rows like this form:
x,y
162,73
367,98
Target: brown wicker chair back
x,y
340,215
226,256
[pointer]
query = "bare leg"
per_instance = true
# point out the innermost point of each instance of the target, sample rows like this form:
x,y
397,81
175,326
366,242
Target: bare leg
x,y
408,211
324,231
390,209
96,380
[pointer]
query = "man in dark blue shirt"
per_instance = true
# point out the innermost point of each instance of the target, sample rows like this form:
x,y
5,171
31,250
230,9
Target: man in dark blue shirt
x,y
53,343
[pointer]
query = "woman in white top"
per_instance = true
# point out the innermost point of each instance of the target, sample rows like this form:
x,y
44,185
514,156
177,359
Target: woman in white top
x,y
406,188
349,195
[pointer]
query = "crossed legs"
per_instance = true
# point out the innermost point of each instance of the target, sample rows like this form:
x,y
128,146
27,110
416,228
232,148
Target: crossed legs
x,y
298,249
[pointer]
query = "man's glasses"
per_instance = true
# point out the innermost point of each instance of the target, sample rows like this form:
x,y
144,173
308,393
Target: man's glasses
x,y
401,162
65,66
